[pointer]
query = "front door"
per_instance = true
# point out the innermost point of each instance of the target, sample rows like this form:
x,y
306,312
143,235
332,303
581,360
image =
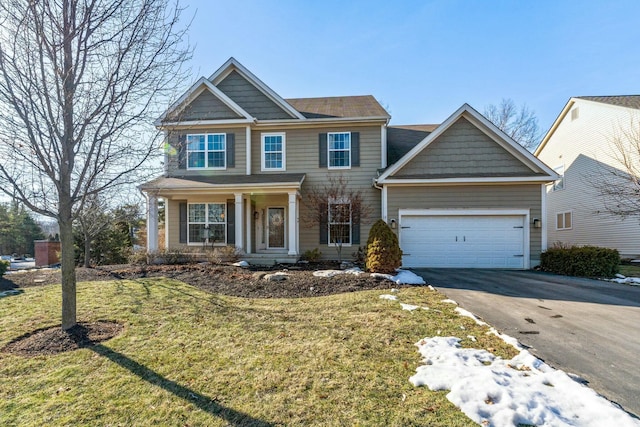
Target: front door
x,y
276,226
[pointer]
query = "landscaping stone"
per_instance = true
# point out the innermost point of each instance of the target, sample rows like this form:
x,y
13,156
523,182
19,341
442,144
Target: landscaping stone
x,y
276,277
258,275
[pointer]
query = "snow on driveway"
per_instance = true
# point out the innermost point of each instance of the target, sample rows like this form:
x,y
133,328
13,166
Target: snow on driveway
x,y
504,393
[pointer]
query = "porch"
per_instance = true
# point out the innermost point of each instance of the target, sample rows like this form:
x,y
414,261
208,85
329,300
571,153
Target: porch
x,y
257,214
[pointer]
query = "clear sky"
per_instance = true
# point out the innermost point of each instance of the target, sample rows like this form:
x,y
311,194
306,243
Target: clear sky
x,y
424,59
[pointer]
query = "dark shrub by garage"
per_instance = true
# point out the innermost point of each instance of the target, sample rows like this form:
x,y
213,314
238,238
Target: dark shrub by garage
x,y
585,261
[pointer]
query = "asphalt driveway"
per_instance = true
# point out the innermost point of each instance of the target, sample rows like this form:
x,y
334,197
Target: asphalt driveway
x,y
586,327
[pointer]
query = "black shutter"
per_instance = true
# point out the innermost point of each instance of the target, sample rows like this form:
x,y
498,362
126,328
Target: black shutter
x,y
231,222
182,151
324,224
322,150
183,222
355,228
231,150
355,148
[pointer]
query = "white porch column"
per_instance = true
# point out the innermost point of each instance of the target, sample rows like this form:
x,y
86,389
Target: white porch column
x,y
239,221
152,222
248,149
293,223
249,223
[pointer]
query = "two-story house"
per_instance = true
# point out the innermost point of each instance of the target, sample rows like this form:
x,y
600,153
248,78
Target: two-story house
x,y
587,146
240,159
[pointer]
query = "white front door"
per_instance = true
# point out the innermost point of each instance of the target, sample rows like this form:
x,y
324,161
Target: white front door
x,y
462,241
276,228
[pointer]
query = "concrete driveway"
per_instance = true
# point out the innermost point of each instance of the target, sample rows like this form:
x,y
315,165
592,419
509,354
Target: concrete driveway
x,y
587,327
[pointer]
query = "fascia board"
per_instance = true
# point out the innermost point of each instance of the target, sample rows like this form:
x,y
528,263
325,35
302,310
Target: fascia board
x,y
554,126
466,180
226,68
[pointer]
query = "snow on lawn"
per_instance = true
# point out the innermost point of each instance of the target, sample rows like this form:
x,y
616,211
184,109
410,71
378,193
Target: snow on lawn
x,y
403,277
523,390
634,281
330,273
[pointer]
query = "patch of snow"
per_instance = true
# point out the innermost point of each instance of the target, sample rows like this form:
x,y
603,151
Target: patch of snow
x,y
507,338
389,297
472,338
634,281
394,290
243,264
462,312
450,301
409,307
382,276
405,277
330,273
431,288
620,276
523,390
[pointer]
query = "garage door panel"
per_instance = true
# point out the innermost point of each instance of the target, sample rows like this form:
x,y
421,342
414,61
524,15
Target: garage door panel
x,y
481,241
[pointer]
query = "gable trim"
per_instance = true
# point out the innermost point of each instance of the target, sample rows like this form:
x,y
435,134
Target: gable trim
x,y
484,126
196,89
555,125
466,180
232,64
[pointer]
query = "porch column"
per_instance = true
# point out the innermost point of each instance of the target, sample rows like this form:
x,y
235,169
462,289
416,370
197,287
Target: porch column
x,y
239,221
249,223
293,223
152,222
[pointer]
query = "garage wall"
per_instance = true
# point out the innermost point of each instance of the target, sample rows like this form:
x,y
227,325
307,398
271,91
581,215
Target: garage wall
x,y
516,196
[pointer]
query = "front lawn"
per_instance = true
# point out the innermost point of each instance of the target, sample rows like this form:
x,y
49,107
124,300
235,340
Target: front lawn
x,y
187,357
629,270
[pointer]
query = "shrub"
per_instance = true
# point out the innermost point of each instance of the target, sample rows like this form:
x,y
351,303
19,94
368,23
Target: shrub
x,y
163,256
223,255
383,250
4,266
586,261
311,255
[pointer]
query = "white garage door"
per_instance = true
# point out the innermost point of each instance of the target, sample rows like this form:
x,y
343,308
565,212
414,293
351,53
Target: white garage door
x,y
478,241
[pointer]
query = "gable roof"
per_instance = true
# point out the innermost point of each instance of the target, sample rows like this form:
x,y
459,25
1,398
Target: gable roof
x,y
502,139
339,106
401,139
233,64
624,101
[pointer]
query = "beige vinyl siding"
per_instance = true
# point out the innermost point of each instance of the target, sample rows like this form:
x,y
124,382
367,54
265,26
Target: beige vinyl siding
x,y
514,196
172,219
463,150
583,146
171,155
206,106
252,100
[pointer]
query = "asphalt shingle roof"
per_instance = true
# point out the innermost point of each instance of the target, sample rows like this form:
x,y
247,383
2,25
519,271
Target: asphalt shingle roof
x,y
338,106
629,101
401,139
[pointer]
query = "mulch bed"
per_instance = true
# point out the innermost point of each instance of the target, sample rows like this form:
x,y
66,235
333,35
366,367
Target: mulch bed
x,y
219,279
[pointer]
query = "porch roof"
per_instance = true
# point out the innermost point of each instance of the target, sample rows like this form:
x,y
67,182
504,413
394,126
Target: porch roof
x,y
225,182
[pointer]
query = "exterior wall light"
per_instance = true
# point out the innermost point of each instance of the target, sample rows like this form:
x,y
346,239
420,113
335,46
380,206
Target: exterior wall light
x,y
393,224
537,223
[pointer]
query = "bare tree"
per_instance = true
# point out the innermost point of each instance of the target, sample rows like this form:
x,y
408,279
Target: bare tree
x,y
617,179
339,207
80,83
521,124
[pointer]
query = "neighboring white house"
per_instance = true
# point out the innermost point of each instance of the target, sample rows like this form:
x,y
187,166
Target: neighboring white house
x,y
581,147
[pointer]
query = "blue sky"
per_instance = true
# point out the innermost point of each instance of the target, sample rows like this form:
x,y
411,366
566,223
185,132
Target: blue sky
x,y
423,59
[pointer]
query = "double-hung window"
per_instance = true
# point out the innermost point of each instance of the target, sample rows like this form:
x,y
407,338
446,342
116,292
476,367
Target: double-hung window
x,y
206,151
340,222
339,146
207,223
273,151
564,220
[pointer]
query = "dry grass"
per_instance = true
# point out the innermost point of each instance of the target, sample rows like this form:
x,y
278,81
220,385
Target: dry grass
x,y
187,357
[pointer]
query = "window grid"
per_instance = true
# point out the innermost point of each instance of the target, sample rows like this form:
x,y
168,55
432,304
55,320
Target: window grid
x,y
339,223
273,147
206,223
206,151
339,146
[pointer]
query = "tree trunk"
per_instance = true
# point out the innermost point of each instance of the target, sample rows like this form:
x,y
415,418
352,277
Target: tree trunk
x,y
87,251
68,269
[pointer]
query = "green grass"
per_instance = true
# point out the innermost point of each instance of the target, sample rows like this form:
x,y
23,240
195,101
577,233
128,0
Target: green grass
x,y
629,270
187,357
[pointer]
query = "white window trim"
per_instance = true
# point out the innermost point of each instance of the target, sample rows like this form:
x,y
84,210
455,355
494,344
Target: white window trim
x,y
564,220
339,202
329,150
206,151
200,243
560,171
263,166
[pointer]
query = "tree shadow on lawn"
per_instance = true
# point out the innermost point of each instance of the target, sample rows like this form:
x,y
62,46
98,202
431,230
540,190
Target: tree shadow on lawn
x,y
233,417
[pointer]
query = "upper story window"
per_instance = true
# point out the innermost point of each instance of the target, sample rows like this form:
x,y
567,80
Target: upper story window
x,y
273,151
339,146
207,151
558,184
340,221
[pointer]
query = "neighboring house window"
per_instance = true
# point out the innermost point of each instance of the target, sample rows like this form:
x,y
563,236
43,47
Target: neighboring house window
x,y
206,151
559,183
339,146
207,223
340,222
564,220
273,151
